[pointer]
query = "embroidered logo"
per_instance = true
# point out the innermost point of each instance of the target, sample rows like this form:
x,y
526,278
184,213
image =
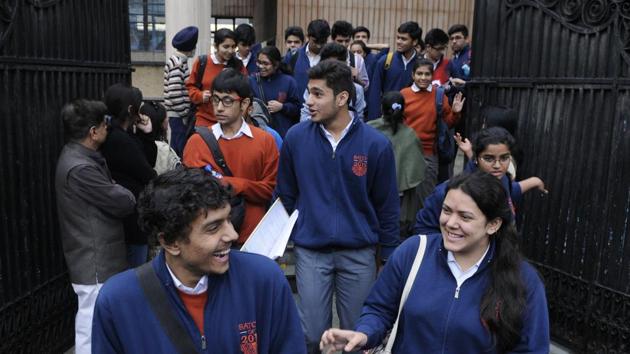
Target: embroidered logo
x,y
359,165
249,337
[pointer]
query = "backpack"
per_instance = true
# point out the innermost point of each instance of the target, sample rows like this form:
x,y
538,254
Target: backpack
x,y
260,113
190,122
388,61
444,145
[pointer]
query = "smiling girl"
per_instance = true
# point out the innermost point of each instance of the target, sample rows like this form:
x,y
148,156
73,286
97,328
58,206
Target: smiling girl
x,y
225,47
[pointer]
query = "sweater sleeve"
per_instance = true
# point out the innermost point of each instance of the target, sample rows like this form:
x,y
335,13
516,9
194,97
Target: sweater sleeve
x,y
535,332
104,337
381,306
449,116
195,94
287,187
259,191
384,198
196,153
428,218
376,88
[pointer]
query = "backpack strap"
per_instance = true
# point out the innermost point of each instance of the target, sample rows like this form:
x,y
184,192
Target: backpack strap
x,y
213,145
439,102
203,62
294,58
260,88
388,60
155,294
351,58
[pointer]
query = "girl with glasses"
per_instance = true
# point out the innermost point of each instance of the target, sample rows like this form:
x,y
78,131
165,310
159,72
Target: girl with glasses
x,y
492,153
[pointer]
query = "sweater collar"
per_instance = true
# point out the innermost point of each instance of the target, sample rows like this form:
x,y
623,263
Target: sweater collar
x,y
482,265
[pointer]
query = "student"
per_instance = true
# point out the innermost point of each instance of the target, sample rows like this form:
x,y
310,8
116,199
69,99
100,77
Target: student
x,y
341,33
275,86
473,293
393,72
492,154
90,208
335,51
176,73
225,46
410,164
421,115
293,39
166,159
340,174
308,56
130,152
246,47
459,65
436,42
223,300
250,153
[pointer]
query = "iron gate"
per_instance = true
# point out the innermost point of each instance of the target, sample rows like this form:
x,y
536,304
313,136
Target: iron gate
x,y
563,64
51,51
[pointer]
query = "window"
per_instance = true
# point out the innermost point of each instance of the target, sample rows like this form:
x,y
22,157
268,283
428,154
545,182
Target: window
x,y
218,23
147,25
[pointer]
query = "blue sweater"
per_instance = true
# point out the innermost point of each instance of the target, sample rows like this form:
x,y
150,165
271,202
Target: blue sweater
x,y
395,78
282,88
459,65
300,71
252,298
433,320
347,198
251,67
428,218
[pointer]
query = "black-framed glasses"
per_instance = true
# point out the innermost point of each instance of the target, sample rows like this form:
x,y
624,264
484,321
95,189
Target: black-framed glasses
x,y
227,101
438,48
503,159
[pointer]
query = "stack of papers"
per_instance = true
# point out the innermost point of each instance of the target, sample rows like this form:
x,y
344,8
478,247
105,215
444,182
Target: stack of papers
x,y
271,235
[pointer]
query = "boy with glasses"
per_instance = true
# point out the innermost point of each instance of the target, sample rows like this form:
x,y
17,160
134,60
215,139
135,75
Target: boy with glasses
x,y
436,42
250,153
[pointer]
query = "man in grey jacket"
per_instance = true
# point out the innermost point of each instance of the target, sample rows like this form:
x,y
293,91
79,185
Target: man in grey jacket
x,y
90,207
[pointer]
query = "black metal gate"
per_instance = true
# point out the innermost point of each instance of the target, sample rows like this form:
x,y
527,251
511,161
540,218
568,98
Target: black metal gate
x,y
564,65
51,51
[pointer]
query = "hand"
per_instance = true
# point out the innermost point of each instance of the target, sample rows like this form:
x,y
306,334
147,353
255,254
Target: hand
x,y
458,102
144,124
457,82
464,145
336,339
540,185
274,106
206,96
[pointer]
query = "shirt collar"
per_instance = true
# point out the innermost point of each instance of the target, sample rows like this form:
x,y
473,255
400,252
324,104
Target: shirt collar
x,y
407,61
246,59
215,60
200,288
343,132
243,130
451,259
416,88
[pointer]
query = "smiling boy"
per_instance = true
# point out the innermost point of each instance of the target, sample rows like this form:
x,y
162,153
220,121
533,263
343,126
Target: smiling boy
x,y
220,300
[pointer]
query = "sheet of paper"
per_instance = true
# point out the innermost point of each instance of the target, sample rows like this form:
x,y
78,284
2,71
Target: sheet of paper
x,y
268,236
281,245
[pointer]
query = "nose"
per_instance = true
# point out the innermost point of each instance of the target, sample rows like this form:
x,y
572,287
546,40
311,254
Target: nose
x,y
230,235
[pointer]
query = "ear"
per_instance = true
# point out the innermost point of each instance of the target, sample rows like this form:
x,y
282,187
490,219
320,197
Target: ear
x,y
493,226
245,104
342,98
172,248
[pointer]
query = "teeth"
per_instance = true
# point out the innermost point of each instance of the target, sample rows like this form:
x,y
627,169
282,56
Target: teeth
x,y
222,254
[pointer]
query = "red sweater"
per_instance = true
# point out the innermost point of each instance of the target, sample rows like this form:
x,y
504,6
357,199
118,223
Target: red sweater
x,y
195,305
254,163
205,111
441,71
420,115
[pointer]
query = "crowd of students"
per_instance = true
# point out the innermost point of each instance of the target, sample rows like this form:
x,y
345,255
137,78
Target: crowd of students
x,y
346,132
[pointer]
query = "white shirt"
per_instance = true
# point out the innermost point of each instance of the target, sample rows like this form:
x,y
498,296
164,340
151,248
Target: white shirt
x,y
407,61
200,288
416,88
243,130
216,61
246,59
330,137
458,273
313,59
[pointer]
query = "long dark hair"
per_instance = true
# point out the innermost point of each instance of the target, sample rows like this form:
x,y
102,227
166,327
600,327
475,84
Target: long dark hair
x,y
393,105
219,37
273,54
123,103
503,303
157,113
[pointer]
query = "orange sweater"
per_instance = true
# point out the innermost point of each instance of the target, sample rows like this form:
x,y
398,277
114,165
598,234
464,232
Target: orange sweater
x,y
254,163
420,115
195,305
205,111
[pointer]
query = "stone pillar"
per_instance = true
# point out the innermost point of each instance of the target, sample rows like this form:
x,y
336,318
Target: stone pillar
x,y
183,13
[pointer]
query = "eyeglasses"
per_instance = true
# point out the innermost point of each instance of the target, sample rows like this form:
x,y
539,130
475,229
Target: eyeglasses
x,y
263,63
491,160
227,101
439,49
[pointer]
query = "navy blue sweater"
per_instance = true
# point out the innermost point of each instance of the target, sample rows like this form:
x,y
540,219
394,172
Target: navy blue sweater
x,y
436,320
395,78
251,304
282,88
428,218
300,71
347,198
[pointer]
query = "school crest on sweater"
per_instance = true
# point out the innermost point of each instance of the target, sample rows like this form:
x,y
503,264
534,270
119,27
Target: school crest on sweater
x,y
359,165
